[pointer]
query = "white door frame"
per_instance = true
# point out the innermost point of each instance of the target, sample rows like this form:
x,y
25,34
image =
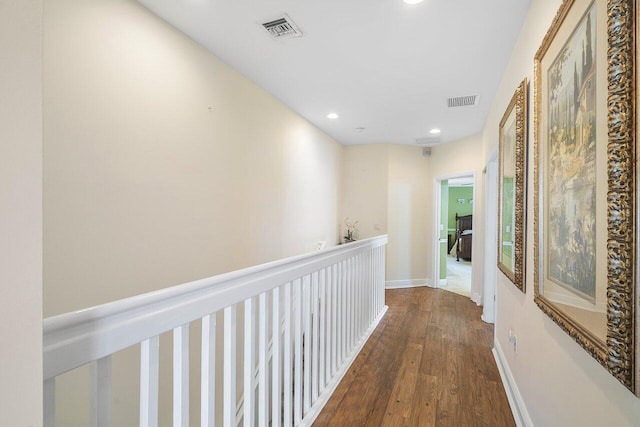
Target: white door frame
x,y
437,186
490,239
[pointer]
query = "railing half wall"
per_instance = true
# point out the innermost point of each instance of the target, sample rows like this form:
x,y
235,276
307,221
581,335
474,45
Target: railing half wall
x,y
290,330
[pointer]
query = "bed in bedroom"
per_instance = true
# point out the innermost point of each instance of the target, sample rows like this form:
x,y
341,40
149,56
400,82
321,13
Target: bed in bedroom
x,y
464,236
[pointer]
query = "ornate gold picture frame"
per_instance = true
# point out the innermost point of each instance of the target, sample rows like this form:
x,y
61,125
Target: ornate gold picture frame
x,y
512,175
585,180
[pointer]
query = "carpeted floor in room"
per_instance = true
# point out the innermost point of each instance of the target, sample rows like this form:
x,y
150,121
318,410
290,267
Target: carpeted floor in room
x,y
458,276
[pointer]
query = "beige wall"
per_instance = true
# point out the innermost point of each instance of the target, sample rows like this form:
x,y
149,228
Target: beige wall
x,y
365,188
560,383
162,164
21,212
408,208
456,158
386,189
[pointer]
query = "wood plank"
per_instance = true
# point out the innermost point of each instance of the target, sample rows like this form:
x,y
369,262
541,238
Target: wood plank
x,y
428,362
423,412
401,400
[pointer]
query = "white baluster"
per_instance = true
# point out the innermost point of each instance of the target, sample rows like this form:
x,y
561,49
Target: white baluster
x,y
361,280
181,376
263,400
229,376
322,322
360,295
327,356
338,311
334,321
380,279
356,295
49,395
350,299
343,308
367,292
370,288
297,393
365,286
315,299
306,371
149,367
287,355
276,374
101,392
208,372
374,281
356,299
249,365
383,279
377,279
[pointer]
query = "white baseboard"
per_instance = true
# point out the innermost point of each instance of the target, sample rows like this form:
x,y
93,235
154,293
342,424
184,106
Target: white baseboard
x,y
518,408
411,283
333,384
442,283
477,299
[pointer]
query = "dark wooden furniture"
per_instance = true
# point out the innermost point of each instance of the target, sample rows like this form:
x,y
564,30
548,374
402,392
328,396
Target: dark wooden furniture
x,y
464,236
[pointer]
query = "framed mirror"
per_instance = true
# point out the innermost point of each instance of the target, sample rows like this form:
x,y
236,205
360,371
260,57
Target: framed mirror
x,y
585,180
512,175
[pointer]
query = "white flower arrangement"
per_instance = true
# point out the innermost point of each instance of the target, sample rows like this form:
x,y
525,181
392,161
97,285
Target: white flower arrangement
x,y
351,232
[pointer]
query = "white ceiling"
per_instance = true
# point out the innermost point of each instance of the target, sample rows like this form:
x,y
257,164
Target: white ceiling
x,y
380,64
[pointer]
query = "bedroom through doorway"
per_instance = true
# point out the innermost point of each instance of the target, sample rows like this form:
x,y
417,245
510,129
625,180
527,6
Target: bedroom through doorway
x,y
456,234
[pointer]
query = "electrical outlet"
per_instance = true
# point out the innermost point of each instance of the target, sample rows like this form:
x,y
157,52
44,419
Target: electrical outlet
x,y
513,340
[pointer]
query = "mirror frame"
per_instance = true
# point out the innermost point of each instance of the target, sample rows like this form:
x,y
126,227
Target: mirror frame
x,y
518,104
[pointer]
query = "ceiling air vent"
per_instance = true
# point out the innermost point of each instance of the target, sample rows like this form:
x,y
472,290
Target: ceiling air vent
x,y
428,141
282,28
463,101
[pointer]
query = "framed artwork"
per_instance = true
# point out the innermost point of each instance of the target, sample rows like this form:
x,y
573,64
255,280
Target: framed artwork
x,y
511,188
585,211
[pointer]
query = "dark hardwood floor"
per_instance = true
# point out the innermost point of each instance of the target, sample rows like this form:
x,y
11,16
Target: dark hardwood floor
x,y
428,363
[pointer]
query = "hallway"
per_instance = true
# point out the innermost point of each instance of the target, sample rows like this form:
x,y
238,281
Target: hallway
x,y
429,362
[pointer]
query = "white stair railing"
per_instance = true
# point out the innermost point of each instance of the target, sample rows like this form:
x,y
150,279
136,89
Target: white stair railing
x,y
304,321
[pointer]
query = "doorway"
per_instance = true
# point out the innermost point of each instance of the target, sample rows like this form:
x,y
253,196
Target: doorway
x,y
454,220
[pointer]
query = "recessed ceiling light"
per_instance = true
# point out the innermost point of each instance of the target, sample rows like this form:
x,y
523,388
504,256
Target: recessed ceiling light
x,y
332,116
413,1
434,131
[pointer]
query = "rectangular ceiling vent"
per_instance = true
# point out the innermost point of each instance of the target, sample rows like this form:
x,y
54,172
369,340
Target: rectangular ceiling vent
x,y
282,28
463,101
428,141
